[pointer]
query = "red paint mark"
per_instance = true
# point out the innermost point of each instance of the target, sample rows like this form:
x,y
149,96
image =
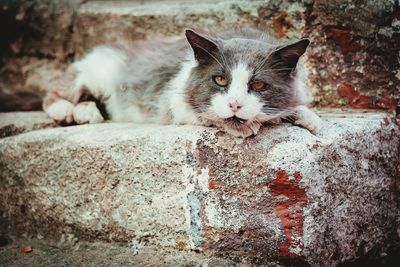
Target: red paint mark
x,y
214,184
315,146
363,102
290,211
348,92
386,102
281,24
344,39
26,249
358,101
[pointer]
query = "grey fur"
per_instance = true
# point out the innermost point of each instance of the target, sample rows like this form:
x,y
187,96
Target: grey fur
x,y
152,65
151,68
170,80
264,54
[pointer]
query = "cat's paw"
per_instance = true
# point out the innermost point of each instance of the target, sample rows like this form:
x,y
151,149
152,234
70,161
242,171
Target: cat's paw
x,y
61,111
308,119
87,112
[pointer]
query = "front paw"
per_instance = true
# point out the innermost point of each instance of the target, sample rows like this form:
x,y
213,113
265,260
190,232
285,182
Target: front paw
x,y
61,111
87,112
308,119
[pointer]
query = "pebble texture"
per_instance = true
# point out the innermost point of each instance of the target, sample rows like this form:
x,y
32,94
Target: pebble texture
x,y
283,195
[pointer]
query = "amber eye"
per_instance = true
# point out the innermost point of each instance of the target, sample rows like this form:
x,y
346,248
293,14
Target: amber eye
x,y
257,86
220,80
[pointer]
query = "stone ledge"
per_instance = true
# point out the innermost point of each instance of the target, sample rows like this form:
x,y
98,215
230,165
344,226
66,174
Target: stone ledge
x,y
13,123
282,195
171,8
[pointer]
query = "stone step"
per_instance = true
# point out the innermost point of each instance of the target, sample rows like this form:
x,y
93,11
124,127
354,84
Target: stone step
x,y
283,195
132,20
70,251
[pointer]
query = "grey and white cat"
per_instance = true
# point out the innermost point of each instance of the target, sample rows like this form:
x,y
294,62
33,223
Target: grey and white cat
x,y
235,81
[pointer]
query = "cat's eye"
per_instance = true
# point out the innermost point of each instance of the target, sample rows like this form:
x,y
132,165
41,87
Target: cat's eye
x,y
257,85
220,80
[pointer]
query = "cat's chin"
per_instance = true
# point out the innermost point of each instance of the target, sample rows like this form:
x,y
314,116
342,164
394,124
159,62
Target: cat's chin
x,y
234,126
240,129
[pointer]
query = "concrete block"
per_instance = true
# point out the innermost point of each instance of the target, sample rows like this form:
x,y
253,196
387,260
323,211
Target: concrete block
x,y
283,195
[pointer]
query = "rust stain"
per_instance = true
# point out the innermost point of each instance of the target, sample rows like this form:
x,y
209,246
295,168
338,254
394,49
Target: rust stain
x,y
214,184
342,38
348,92
181,245
290,211
281,24
358,101
386,102
316,146
26,249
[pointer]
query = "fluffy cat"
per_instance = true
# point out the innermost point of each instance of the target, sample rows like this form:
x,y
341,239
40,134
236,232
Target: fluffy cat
x,y
235,81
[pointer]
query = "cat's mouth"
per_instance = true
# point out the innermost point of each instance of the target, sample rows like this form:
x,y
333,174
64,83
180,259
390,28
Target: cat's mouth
x,y
234,125
235,119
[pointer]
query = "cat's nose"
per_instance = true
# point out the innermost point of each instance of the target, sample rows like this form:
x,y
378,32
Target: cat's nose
x,y
234,106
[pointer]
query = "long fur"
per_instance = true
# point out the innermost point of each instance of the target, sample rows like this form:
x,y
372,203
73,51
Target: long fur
x,y
171,80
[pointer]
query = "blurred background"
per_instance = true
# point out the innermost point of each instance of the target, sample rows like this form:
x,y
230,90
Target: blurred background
x,y
353,60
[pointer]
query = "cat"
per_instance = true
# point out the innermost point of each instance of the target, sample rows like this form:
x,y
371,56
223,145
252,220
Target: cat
x,y
235,81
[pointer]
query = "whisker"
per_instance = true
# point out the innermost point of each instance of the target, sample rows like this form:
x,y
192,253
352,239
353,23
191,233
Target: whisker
x,y
225,61
271,70
279,112
260,65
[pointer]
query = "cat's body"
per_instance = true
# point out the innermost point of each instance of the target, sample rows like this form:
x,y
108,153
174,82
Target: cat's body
x,y
235,81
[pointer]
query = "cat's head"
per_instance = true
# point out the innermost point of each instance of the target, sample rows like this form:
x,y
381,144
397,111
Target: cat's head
x,y
241,81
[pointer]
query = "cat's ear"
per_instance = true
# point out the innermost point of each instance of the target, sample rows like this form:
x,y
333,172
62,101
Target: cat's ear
x,y
289,55
203,47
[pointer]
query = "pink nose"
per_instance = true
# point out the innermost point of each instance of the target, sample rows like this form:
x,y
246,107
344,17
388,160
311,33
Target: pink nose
x,y
235,106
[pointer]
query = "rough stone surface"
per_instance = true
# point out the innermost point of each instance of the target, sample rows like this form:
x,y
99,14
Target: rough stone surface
x,y
353,58
354,55
69,251
283,195
13,123
141,21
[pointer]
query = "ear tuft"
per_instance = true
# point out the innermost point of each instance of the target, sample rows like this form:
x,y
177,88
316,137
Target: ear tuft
x,y
203,47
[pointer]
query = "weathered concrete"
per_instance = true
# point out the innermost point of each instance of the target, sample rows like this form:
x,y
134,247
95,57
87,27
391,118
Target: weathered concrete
x,y
353,58
282,195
